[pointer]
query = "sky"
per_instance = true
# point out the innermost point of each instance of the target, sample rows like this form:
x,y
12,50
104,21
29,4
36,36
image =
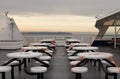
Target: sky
x,y
57,15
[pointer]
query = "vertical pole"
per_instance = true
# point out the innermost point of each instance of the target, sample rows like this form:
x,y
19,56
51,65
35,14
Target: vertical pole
x,y
12,72
38,76
115,35
3,75
90,41
12,31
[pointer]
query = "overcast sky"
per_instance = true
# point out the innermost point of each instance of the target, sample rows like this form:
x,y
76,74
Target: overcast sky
x,y
89,8
73,7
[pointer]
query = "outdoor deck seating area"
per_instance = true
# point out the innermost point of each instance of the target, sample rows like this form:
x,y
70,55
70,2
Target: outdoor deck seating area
x,y
45,60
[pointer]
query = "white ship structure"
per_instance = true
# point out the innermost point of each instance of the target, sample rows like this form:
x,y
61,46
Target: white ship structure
x,y
10,36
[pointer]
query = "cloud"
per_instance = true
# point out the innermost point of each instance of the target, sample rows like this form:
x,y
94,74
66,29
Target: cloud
x,y
72,7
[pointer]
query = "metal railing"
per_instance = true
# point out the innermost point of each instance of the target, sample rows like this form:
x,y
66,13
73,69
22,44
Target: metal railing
x,y
87,38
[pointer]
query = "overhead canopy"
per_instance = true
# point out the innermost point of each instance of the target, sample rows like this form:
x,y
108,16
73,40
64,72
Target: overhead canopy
x,y
103,23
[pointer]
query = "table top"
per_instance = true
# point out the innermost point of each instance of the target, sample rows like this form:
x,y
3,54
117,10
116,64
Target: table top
x,y
52,45
95,55
85,48
39,44
34,48
80,44
23,55
72,40
47,40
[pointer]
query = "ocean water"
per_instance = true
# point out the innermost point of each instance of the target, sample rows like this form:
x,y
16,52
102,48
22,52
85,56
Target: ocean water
x,y
85,37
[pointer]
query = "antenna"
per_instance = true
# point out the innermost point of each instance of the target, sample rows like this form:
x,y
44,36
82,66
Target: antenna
x,y
6,13
97,16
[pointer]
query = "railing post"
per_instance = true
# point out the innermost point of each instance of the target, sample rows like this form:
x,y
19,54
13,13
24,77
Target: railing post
x,y
90,39
35,39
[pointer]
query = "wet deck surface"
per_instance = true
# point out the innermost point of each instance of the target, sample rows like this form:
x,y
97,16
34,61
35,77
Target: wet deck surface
x,y
60,67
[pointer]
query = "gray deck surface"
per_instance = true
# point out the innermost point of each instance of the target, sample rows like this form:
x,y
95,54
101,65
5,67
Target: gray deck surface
x,y
60,67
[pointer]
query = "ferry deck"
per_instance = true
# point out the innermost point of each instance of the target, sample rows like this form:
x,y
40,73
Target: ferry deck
x,y
60,68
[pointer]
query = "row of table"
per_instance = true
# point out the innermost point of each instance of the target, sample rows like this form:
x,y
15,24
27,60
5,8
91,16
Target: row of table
x,y
87,53
33,51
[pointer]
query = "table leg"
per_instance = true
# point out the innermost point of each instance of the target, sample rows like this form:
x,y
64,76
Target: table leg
x,y
109,62
82,62
75,53
9,61
47,54
3,75
99,66
43,51
41,62
25,63
12,73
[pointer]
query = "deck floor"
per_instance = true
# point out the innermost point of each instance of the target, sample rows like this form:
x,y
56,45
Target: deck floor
x,y
60,67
